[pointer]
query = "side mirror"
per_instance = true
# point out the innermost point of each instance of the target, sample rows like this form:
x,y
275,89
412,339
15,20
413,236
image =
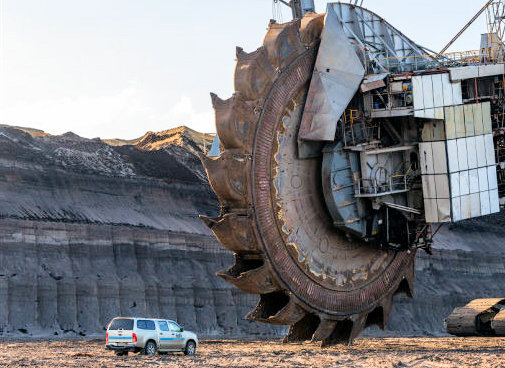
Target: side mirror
x,y
182,329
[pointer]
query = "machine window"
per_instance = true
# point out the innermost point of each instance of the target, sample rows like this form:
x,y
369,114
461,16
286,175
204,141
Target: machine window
x,y
174,327
163,325
145,324
121,324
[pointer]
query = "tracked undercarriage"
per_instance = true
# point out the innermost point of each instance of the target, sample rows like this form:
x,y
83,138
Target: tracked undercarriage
x,y
484,317
327,174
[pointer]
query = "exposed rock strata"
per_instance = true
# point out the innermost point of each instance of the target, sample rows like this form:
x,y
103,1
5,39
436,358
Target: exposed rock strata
x,y
91,229
65,277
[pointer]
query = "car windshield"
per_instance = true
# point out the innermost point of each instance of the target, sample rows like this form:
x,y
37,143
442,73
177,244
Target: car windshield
x,y
121,324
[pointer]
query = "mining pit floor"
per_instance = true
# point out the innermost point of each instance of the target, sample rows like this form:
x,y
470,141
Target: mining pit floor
x,y
366,352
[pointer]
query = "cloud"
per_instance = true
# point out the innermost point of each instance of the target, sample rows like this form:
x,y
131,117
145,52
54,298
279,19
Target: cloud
x,y
129,113
185,113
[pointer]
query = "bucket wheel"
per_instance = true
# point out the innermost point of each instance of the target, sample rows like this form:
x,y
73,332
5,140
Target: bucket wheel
x,y
308,274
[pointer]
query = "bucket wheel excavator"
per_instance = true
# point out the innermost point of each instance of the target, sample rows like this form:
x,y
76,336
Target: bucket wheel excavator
x,y
323,172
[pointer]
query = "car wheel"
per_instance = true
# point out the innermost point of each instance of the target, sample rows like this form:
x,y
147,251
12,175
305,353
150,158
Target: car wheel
x,y
190,348
150,348
119,353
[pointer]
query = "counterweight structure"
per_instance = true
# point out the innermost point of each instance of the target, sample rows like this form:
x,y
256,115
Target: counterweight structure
x,y
344,142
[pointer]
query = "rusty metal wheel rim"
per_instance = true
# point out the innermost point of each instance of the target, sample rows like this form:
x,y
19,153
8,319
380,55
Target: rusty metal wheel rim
x,y
292,276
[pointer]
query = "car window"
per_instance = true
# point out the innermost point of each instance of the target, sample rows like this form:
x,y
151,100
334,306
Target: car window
x,y
121,324
163,325
174,327
145,324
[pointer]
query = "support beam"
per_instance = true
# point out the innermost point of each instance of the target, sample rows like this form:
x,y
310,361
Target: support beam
x,y
465,27
300,7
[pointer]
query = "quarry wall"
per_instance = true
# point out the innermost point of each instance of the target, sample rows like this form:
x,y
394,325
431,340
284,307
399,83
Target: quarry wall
x,y
67,279
90,231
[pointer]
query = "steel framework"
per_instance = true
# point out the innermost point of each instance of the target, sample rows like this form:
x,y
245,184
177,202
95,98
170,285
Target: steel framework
x,y
299,7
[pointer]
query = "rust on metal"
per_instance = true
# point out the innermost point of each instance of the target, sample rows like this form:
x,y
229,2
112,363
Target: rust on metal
x,y
283,43
253,74
308,274
235,122
234,231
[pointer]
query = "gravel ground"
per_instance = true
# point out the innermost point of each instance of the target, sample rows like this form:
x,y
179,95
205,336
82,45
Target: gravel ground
x,y
366,352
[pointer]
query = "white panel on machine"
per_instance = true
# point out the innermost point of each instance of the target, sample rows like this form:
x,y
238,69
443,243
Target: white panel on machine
x,y
428,92
462,154
464,183
466,207
474,205
452,155
438,91
444,209
425,150
483,180
494,201
456,209
491,178
447,90
430,210
471,152
432,92
488,143
491,69
457,94
481,151
485,208
417,92
420,113
442,186
450,123
469,125
439,157
473,178
431,113
455,192
459,121
438,113
486,118
429,186
457,158
477,119
465,72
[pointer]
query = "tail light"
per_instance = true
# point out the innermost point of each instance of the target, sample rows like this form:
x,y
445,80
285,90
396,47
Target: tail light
x,y
106,337
134,337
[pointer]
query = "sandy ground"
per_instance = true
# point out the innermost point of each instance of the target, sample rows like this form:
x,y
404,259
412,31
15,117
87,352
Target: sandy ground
x,y
367,352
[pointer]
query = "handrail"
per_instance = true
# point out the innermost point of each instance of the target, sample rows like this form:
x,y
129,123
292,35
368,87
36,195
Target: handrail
x,y
382,188
431,61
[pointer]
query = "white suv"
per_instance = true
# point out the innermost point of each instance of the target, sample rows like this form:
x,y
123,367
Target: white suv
x,y
148,336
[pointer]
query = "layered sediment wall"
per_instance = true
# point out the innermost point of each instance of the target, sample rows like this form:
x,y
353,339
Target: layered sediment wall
x,y
66,278
90,230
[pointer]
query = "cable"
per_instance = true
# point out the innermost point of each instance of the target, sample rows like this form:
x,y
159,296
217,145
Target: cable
x,y
276,11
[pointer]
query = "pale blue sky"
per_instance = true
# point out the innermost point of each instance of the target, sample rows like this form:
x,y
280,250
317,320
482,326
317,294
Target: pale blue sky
x,y
117,68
